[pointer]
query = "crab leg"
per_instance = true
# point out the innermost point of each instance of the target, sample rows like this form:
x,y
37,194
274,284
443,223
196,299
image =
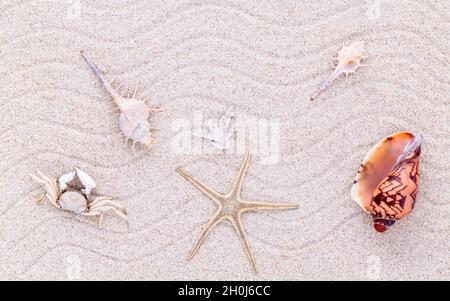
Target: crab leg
x,y
121,214
50,187
100,220
106,202
102,211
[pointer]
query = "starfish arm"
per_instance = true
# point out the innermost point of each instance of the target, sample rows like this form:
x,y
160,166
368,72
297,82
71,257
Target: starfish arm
x,y
254,206
208,191
237,224
237,185
217,218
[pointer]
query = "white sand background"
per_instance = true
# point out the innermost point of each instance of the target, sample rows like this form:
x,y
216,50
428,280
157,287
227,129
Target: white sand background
x,y
265,58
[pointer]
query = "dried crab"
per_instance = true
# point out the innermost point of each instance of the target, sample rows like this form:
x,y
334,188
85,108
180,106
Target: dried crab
x,y
134,112
348,60
74,192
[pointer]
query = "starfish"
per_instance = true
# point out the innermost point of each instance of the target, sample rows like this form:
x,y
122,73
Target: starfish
x,y
231,207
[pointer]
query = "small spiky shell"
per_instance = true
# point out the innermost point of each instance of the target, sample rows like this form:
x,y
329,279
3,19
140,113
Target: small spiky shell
x,y
387,181
348,60
134,112
218,133
349,57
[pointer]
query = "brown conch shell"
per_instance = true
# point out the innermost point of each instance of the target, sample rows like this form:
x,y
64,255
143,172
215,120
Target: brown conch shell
x,y
388,180
348,60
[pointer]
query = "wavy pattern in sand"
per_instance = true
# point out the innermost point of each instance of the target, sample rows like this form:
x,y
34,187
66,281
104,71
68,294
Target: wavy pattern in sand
x,y
264,60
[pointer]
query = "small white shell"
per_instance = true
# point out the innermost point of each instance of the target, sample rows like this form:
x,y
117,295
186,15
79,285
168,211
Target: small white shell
x,y
73,201
219,133
349,59
134,112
